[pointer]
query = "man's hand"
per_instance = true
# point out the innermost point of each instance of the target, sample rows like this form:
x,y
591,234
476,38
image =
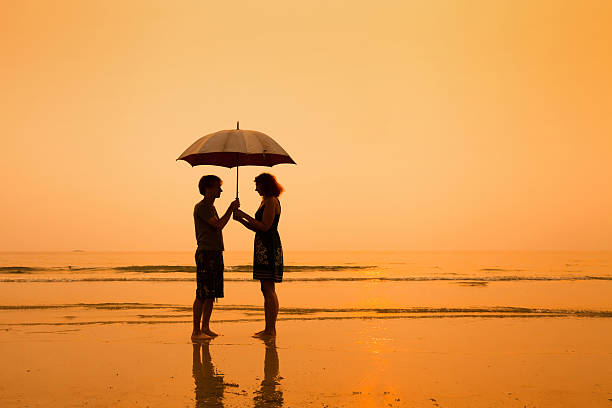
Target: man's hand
x,y
234,205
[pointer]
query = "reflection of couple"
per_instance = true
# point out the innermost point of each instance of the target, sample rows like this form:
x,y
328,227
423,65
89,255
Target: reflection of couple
x,y
209,385
267,254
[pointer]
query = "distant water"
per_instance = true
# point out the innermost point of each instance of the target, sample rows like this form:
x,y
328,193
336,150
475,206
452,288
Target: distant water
x,y
76,288
309,266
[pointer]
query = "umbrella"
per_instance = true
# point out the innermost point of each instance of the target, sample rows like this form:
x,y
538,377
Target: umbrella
x,y
235,148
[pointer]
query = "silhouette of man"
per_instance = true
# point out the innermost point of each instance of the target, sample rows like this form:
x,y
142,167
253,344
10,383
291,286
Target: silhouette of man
x,y
209,255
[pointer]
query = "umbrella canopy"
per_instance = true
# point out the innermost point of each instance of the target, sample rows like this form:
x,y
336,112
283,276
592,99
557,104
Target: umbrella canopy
x,y
234,148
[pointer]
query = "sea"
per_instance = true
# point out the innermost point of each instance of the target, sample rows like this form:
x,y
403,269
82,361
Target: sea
x,y
72,289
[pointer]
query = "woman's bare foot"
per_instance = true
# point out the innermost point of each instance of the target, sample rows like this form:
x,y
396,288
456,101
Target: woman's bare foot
x,y
196,337
265,334
210,333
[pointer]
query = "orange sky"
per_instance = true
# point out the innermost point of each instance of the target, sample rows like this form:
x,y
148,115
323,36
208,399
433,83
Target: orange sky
x,y
415,125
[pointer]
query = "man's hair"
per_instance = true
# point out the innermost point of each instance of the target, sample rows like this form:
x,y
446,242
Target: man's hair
x,y
208,181
271,188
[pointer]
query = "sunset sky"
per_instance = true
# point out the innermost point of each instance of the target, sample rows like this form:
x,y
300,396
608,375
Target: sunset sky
x,y
426,125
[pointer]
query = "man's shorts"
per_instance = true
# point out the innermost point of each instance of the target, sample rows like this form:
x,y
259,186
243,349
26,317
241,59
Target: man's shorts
x,y
209,274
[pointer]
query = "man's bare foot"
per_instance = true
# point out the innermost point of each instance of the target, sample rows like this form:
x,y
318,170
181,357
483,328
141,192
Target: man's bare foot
x,y
196,337
210,333
265,334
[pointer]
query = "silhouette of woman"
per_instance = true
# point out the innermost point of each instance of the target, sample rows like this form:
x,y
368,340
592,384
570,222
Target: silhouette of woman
x,y
268,251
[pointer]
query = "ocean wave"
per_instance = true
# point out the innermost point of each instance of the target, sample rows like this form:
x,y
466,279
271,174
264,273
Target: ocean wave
x,y
155,268
469,280
181,268
314,310
103,306
18,269
301,314
30,269
304,268
237,268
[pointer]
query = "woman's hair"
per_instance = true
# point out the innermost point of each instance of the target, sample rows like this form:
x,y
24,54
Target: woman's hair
x,y
271,188
209,181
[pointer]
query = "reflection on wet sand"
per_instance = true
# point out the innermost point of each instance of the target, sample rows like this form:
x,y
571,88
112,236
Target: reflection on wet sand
x,y
209,386
268,396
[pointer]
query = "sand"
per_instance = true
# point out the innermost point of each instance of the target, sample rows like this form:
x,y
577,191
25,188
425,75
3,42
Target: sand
x,y
399,362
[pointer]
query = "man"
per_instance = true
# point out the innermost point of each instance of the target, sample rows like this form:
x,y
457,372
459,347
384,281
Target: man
x,y
209,255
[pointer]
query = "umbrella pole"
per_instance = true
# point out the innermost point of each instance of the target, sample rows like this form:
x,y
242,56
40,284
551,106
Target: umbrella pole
x,y
237,167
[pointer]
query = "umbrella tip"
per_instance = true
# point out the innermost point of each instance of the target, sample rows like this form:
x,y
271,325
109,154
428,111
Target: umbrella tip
x,y
238,125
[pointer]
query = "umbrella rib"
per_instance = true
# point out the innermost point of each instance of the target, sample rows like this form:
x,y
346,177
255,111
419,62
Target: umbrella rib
x,y
225,144
261,145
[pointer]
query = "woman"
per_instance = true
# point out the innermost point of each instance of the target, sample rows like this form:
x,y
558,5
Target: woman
x,y
268,252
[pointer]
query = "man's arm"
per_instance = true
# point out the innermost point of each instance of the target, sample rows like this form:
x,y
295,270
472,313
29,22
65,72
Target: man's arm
x,y
220,223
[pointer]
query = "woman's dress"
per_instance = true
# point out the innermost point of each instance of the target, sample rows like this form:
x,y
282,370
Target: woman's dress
x,y
268,251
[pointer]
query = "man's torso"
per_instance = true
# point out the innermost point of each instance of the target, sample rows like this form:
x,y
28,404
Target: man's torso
x,y
208,237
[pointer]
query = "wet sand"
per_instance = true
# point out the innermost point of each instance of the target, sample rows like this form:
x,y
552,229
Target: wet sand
x,y
405,362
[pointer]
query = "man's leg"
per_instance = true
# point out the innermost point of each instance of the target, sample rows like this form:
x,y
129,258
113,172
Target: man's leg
x,y
207,312
197,315
196,334
214,282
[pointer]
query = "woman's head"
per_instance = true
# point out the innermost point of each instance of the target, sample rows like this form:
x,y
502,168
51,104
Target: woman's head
x,y
267,186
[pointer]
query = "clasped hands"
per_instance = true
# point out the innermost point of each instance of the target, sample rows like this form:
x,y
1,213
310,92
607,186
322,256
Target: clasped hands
x,y
237,213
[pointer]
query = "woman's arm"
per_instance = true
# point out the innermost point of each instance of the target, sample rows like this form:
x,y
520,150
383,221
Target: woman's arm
x,y
267,219
244,222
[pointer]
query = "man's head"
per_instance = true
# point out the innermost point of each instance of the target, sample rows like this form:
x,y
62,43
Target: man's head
x,y
210,185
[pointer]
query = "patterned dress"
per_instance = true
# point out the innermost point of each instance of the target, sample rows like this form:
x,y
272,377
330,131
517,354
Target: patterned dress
x,y
268,251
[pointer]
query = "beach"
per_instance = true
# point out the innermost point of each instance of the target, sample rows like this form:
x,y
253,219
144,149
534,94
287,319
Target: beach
x,y
425,185
355,329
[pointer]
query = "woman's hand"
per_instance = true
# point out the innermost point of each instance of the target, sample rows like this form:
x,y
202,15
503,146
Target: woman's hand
x,y
238,214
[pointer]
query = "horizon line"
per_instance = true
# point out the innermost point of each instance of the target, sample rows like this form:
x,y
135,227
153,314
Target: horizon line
x,y
304,250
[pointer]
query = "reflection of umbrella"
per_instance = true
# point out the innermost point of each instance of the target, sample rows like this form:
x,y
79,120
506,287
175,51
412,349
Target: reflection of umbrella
x,y
234,148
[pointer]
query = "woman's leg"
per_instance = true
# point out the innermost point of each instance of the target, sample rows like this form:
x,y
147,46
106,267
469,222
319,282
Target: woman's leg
x,y
270,308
